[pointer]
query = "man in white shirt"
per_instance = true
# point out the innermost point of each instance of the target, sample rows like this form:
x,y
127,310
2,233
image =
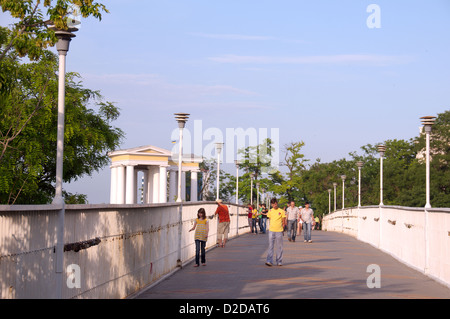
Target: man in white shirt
x,y
307,216
292,214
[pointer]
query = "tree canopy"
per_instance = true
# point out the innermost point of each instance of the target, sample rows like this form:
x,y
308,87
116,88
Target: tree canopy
x,y
28,107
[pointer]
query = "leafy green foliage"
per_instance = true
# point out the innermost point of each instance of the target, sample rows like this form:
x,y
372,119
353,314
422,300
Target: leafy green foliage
x,y
28,121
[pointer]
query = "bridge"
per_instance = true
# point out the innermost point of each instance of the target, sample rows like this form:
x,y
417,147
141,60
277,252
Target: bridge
x,y
145,252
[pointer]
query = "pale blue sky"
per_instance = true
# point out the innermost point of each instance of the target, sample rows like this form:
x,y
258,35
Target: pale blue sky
x,y
313,69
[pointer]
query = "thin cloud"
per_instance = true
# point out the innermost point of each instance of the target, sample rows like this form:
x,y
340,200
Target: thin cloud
x,y
233,37
319,59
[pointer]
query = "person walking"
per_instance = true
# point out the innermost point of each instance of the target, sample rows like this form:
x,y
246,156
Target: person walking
x,y
307,216
201,227
223,226
277,219
316,223
292,214
254,220
264,218
300,222
249,216
260,209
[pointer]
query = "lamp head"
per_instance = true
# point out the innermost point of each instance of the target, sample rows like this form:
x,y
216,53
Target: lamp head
x,y
381,149
428,122
181,119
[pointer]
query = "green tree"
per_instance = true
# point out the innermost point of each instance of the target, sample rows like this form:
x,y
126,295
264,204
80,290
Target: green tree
x,y
27,165
256,160
30,35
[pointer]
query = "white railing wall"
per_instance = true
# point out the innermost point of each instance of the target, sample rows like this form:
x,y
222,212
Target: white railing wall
x,y
418,238
139,244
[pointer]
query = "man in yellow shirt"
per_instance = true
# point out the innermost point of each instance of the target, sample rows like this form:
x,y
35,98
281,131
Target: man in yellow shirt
x,y
277,219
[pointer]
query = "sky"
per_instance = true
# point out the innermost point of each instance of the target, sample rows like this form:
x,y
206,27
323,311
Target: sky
x,y
335,74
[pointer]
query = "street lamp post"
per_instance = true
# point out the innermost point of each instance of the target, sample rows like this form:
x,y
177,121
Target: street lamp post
x,y
334,185
343,190
428,122
236,162
257,195
252,175
62,46
181,119
381,149
329,200
360,165
219,150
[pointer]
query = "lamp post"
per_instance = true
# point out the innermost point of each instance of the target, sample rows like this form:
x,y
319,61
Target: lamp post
x,y
343,190
219,150
62,46
381,149
236,162
181,119
252,175
428,122
257,195
360,165
329,200
334,185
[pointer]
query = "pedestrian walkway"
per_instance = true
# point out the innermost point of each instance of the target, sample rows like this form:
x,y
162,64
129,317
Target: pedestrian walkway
x,y
333,266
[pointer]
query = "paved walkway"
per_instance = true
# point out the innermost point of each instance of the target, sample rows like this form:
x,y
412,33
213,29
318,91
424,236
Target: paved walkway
x,y
333,266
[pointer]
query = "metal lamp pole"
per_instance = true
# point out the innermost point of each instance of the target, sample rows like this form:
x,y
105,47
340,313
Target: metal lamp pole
x,y
428,122
360,165
334,185
329,200
181,119
381,149
236,162
343,190
252,175
62,46
219,150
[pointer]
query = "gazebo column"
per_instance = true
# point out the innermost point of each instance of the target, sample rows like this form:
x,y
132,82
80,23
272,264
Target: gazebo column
x,y
120,198
130,190
156,184
172,186
113,190
194,185
145,185
163,184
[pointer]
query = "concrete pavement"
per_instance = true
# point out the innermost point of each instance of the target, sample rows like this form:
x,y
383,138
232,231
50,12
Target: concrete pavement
x,y
333,266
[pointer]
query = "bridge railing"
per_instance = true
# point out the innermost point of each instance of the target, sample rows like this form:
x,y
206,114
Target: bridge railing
x,y
110,251
420,238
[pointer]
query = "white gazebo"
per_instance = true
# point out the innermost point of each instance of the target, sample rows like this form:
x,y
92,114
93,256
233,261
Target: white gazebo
x,y
158,166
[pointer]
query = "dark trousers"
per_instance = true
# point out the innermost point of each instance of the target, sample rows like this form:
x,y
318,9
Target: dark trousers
x,y
200,250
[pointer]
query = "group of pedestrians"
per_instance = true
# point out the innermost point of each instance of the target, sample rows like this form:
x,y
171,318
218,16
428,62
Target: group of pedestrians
x,y
293,219
201,227
257,217
299,219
